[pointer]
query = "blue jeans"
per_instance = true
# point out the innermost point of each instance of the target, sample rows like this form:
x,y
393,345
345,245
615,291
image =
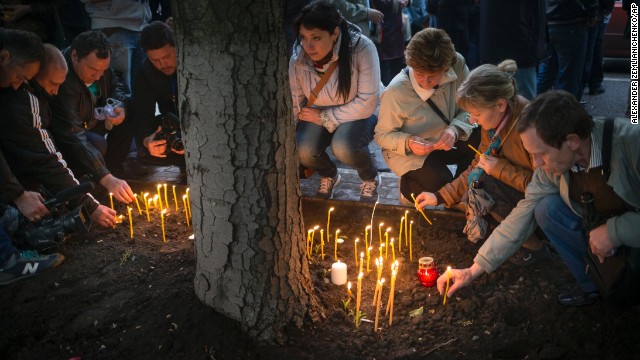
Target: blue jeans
x,y
526,82
563,70
349,143
565,231
125,54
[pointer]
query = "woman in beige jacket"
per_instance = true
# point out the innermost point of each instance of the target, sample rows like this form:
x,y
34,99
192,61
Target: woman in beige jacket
x,y
505,168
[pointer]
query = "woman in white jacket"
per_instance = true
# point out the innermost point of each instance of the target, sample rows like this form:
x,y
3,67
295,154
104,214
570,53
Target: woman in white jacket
x,y
342,115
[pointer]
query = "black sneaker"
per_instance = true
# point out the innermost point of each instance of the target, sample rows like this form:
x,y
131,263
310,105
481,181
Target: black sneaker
x,y
327,184
578,298
597,90
27,263
526,257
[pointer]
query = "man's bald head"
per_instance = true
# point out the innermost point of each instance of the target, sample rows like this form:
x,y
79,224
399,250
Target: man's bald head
x,y
53,70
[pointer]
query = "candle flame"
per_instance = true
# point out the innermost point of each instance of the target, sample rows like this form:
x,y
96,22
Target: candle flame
x,y
362,254
110,194
388,229
381,225
448,268
316,227
357,239
164,211
349,285
331,209
368,227
360,275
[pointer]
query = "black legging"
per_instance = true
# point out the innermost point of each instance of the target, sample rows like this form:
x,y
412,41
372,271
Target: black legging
x,y
434,172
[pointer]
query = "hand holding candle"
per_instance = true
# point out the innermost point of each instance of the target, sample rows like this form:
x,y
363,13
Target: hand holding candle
x,y
419,209
444,301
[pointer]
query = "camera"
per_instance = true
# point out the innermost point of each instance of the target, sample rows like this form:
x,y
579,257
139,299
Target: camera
x,y
58,225
101,113
170,132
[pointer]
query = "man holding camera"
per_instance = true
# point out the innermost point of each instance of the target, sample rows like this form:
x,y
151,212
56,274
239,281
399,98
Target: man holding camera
x,y
77,131
20,56
156,82
569,150
28,145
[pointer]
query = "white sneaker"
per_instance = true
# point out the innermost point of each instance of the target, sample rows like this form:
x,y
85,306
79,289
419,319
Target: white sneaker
x,y
369,190
327,184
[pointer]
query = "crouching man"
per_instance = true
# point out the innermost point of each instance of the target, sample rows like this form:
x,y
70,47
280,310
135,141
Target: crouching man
x,y
567,148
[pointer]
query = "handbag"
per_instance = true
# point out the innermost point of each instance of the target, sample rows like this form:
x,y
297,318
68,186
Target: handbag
x,y
303,171
618,277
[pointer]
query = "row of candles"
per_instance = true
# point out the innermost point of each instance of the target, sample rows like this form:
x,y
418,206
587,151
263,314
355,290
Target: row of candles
x,y
339,270
368,240
156,202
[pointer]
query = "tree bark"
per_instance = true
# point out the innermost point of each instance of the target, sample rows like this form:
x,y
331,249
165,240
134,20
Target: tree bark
x,y
241,163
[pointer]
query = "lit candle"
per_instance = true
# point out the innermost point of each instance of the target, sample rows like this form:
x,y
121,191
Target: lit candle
x,y
411,241
355,250
375,291
186,210
394,272
328,221
175,198
381,282
358,297
166,200
155,202
361,260
368,257
420,209
130,222
146,205
322,242
386,243
366,235
406,219
339,273
400,236
308,243
475,150
444,302
111,199
393,250
159,196
349,289
137,203
380,232
335,247
313,237
189,203
164,238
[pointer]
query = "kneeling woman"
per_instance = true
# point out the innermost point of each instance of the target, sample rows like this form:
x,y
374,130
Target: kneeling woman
x,y
505,167
340,113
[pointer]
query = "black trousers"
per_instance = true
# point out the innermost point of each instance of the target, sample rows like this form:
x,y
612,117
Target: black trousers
x,y
434,172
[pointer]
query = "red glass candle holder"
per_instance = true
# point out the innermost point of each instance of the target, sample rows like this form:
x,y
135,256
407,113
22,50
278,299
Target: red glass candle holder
x,y
428,277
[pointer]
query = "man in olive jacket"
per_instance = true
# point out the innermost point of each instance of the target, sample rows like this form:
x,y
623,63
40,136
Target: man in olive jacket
x,y
566,146
77,132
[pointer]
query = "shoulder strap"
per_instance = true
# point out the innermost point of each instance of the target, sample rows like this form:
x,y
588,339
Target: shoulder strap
x,y
321,83
434,107
607,137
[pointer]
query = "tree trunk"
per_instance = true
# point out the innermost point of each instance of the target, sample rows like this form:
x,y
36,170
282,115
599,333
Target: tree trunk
x,y
240,150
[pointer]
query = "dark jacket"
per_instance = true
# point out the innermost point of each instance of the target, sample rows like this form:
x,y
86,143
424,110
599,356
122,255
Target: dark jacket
x,y
28,146
73,114
570,12
151,86
513,29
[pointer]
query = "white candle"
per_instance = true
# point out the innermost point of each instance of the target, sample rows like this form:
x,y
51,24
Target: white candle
x,y
339,273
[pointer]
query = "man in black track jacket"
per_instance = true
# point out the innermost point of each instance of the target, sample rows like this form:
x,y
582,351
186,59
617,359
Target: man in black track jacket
x,y
27,143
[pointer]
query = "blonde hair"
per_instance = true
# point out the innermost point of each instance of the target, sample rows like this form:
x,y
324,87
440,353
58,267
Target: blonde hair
x,y
487,84
430,50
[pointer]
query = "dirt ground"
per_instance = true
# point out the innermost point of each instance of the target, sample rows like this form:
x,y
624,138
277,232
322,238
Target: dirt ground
x,y
122,298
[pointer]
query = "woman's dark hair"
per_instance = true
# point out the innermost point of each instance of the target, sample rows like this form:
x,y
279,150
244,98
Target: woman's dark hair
x,y
325,16
90,41
556,114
